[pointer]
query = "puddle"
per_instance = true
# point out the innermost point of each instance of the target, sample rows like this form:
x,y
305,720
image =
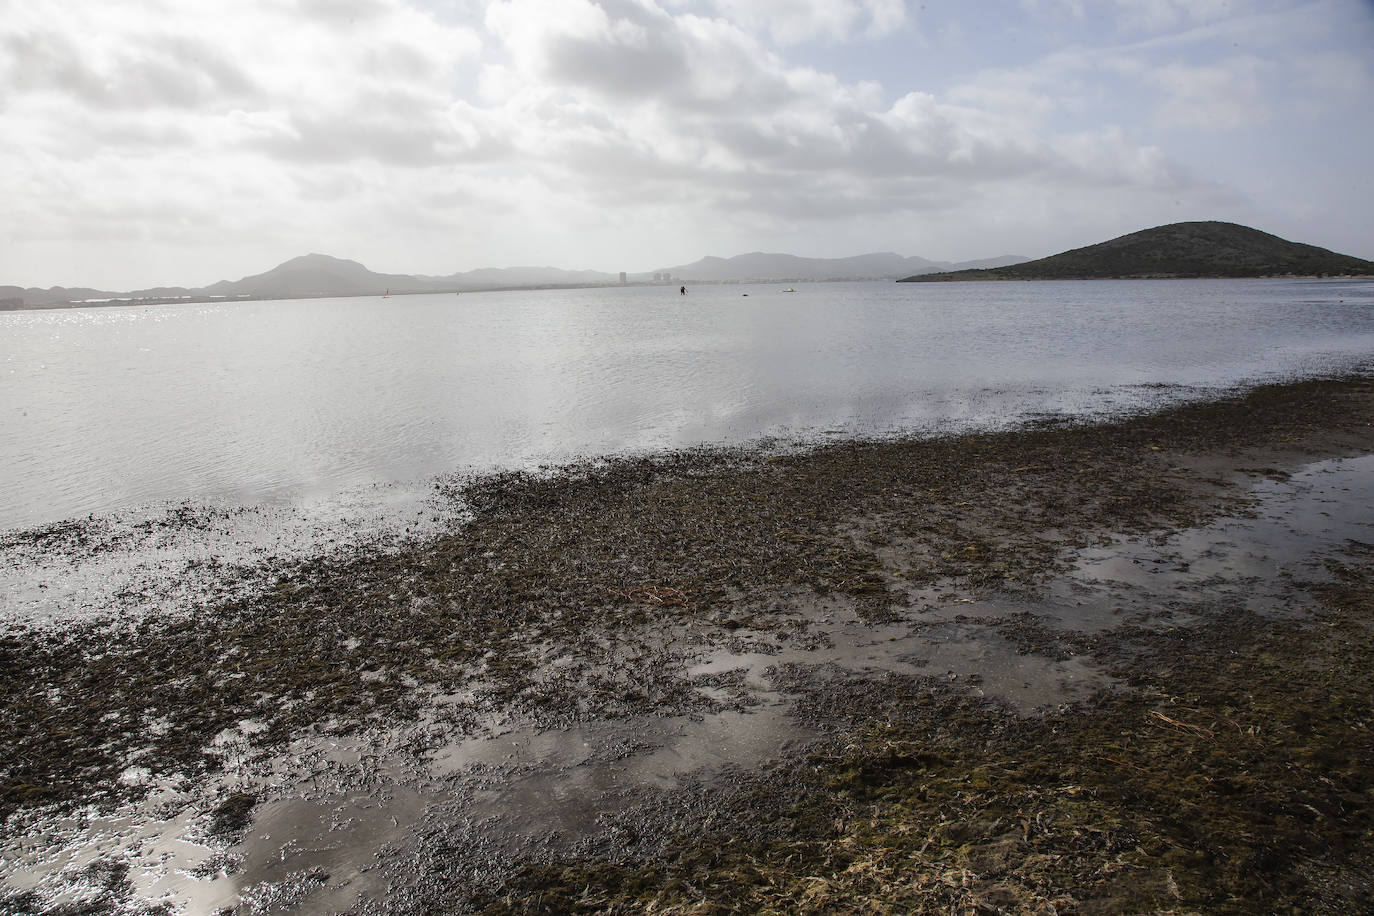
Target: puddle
x,y
160,841
350,825
1252,562
325,848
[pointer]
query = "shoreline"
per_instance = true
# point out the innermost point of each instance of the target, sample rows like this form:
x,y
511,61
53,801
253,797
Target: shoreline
x,y
637,602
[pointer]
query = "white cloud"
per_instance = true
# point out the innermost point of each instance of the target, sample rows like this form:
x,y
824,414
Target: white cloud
x,y
184,72
791,21
461,134
626,96
76,66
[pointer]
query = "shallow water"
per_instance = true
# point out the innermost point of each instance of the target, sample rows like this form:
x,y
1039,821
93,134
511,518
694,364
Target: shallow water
x,y
296,402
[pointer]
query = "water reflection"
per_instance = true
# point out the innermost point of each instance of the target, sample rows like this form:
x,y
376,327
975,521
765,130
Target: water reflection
x,y
260,402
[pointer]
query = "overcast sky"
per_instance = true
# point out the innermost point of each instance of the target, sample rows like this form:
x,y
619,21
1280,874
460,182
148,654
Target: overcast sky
x,y
151,142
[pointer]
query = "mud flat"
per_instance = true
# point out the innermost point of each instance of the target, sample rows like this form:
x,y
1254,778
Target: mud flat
x,y
1119,667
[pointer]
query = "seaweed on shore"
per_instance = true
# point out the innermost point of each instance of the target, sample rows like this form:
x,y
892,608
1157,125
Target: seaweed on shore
x,y
591,566
1233,778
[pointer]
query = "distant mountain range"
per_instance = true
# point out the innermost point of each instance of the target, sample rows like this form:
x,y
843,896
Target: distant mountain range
x,y
314,275
1197,249
311,275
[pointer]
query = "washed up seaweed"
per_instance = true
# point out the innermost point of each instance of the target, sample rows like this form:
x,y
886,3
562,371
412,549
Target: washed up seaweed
x,y
1237,782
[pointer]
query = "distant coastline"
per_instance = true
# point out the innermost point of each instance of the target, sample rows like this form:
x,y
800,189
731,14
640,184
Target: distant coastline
x,y
16,305
1190,250
317,276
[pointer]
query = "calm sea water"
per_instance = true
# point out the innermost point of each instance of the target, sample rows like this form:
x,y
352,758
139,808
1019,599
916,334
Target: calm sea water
x,y
104,409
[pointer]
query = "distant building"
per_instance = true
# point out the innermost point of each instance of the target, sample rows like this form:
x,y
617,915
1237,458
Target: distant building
x,y
622,277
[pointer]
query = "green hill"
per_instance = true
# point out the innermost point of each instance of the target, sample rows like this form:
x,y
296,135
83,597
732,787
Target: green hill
x,y
1201,249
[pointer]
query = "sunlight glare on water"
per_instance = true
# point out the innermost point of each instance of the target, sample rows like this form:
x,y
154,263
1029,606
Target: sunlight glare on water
x,y
262,402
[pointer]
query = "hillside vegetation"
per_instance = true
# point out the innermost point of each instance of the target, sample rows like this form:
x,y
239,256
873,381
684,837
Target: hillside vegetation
x,y
1198,249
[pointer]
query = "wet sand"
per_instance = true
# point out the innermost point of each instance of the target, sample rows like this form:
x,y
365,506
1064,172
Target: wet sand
x,y
1103,668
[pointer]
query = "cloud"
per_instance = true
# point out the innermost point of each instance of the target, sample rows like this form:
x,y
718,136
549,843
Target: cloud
x,y
627,95
1191,81
624,53
608,102
445,131
1223,96
79,66
1162,15
1338,77
792,21
184,72
1151,16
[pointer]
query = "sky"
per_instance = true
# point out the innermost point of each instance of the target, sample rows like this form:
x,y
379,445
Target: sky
x,y
180,142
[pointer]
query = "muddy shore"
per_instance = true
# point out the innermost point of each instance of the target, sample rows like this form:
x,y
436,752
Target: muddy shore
x,y
1119,667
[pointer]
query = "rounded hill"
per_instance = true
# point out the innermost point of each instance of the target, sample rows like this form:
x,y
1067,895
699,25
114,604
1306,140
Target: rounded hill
x,y
1195,249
